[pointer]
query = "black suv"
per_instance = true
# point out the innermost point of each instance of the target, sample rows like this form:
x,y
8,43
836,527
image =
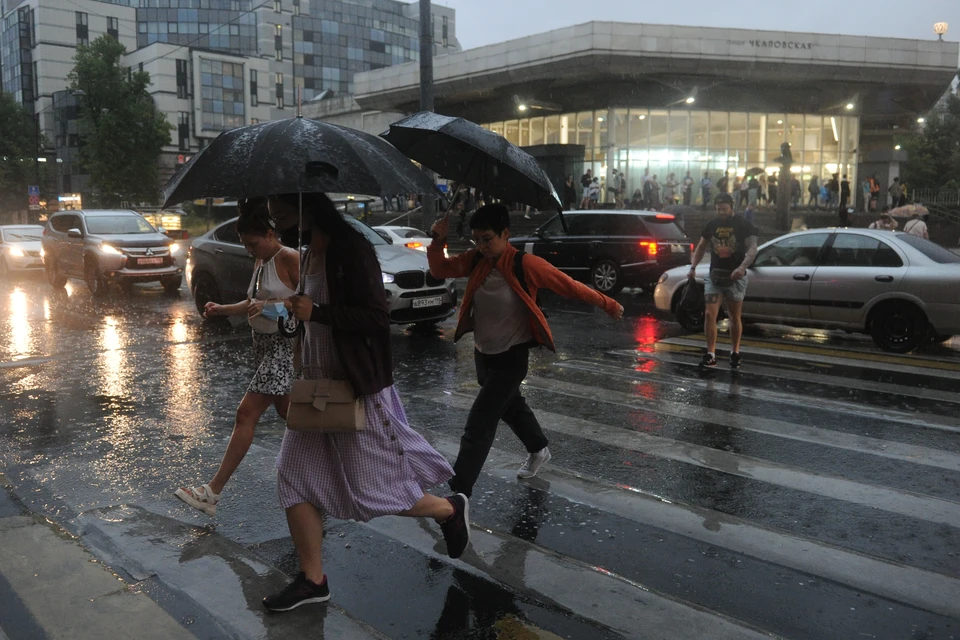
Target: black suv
x,y
107,246
611,249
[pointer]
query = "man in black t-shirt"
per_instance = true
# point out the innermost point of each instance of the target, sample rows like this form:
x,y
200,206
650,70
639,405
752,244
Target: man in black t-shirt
x,y
733,247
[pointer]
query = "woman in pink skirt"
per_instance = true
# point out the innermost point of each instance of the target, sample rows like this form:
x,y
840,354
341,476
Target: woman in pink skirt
x,y
384,469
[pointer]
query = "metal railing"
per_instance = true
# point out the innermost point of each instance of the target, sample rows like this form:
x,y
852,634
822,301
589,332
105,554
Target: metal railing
x,y
942,203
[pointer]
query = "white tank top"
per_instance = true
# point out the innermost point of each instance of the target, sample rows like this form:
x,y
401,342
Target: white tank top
x,y
271,287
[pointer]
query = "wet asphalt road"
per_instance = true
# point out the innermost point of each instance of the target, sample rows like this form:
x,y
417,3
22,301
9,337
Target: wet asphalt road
x,y
816,494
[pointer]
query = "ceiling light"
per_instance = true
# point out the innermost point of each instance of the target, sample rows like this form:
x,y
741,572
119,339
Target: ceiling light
x,y
691,100
779,121
920,120
849,106
643,117
599,119
897,147
522,107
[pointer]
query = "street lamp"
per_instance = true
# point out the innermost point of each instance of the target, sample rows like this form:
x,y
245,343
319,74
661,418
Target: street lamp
x,y
940,29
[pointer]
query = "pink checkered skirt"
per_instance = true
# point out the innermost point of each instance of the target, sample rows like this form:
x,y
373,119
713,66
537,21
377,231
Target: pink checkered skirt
x,y
379,471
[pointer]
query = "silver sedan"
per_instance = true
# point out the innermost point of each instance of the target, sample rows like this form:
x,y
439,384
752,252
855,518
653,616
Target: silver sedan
x,y
900,289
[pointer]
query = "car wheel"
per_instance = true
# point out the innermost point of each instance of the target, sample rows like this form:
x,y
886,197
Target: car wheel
x,y
899,327
56,279
606,278
692,321
94,279
205,290
172,285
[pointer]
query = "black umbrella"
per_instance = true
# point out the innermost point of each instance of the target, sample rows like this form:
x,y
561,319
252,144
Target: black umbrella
x,y
295,155
755,171
466,153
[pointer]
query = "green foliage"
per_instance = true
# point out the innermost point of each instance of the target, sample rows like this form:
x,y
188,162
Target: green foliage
x,y
18,144
933,154
121,132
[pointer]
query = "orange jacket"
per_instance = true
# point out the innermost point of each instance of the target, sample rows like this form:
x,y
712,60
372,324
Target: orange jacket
x,y
539,274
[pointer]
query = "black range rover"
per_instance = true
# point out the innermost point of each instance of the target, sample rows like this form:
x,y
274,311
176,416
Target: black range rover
x,y
610,250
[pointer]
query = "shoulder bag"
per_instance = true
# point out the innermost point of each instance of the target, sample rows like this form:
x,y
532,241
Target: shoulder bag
x,y
325,405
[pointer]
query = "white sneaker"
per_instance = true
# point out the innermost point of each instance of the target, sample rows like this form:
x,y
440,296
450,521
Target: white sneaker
x,y
202,498
534,462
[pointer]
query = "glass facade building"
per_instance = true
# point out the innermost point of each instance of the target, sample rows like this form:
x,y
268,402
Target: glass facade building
x,y
337,39
221,85
17,41
225,25
705,143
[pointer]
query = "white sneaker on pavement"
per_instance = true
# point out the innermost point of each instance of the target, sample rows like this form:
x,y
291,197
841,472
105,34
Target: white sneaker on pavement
x,y
534,462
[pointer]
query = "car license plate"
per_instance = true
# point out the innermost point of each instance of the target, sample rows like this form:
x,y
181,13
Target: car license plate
x,y
142,261
422,303
677,248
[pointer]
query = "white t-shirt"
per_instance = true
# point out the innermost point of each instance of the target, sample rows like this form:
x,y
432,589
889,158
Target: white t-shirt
x,y
916,227
501,319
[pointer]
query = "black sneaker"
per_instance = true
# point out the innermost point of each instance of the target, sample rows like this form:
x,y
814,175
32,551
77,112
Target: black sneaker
x,y
456,530
300,591
735,360
708,360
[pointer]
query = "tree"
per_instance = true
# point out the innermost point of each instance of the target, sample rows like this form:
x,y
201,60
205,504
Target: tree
x,y
933,154
18,146
122,134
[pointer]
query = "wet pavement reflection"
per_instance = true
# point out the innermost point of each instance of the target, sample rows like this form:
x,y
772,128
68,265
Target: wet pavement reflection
x,y
106,406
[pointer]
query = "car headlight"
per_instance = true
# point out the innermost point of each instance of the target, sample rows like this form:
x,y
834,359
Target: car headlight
x,y
16,253
174,249
106,248
388,278
662,279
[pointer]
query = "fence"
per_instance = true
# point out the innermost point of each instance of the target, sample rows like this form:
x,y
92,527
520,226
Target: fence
x,y
942,203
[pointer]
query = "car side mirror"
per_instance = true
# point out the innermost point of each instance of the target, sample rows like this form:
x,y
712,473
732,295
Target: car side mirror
x,y
74,233
161,230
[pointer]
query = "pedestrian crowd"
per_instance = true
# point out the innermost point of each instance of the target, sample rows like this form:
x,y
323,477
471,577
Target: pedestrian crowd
x,y
349,451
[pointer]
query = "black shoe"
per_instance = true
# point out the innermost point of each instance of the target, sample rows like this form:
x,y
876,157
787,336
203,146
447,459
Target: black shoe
x,y
735,360
708,360
456,530
300,591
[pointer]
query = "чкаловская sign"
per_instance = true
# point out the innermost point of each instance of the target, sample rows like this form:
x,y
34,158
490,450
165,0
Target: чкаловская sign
x,y
773,44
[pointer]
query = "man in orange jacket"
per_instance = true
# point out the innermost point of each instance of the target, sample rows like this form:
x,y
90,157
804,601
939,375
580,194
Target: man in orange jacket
x,y
506,321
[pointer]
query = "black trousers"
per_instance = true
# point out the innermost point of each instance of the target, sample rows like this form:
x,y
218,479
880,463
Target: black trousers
x,y
499,399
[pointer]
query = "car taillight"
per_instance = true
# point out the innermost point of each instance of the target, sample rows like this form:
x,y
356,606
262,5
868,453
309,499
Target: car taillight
x,y
414,245
666,216
651,247
692,248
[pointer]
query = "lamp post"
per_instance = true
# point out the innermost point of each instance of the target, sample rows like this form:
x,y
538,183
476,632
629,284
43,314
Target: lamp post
x,y
428,208
940,29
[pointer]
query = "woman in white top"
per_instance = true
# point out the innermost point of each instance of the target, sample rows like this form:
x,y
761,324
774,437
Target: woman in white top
x,y
276,276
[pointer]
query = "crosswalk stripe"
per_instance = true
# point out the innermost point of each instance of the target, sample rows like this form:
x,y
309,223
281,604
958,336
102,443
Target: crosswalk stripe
x,y
917,419
905,503
590,592
813,435
927,590
906,364
666,353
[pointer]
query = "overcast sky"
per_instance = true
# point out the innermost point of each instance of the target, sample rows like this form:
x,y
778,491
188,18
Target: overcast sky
x,y
481,22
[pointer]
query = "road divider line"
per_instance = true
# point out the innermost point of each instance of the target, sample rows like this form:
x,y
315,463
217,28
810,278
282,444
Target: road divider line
x,y
916,419
906,503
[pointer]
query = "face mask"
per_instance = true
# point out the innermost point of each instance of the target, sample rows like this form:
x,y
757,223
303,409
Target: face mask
x,y
274,310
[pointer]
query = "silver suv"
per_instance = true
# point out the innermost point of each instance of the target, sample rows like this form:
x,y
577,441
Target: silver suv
x,y
109,246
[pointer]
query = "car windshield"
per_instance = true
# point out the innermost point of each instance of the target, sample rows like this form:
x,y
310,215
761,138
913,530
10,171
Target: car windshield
x,y
367,232
413,233
930,249
118,225
23,235
663,228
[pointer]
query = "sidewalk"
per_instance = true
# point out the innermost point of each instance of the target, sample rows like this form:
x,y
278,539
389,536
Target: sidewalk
x,y
51,587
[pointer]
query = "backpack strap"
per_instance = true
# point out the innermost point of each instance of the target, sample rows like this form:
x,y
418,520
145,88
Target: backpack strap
x,y
519,272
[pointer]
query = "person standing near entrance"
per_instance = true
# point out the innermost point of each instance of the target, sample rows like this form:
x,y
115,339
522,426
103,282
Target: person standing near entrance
x,y
705,185
814,190
733,247
569,195
687,189
865,188
585,181
844,200
503,315
895,193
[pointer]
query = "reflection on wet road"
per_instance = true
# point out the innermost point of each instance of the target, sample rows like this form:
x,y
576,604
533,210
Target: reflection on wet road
x,y
815,494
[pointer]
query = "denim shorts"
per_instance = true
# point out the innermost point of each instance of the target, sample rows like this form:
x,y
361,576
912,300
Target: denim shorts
x,y
736,292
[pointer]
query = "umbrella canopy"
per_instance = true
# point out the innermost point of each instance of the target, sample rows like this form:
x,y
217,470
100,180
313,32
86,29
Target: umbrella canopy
x,y
295,155
909,210
755,171
465,152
